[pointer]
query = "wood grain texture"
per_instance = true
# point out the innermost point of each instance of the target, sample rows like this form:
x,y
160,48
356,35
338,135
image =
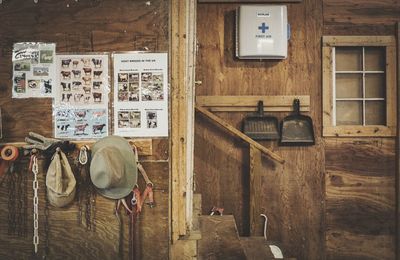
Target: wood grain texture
x,y
364,12
71,241
220,239
292,193
83,26
255,191
360,199
397,176
78,27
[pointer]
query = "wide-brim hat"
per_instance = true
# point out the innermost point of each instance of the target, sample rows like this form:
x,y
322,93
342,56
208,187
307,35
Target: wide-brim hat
x,y
113,169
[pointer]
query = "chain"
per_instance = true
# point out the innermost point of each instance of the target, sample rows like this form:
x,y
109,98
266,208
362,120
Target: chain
x,y
35,184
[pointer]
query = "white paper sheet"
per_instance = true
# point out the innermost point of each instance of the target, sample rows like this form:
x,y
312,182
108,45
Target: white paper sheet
x,y
33,70
141,94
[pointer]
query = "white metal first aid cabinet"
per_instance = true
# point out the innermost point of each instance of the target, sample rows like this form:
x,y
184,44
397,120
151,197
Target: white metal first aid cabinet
x,y
261,32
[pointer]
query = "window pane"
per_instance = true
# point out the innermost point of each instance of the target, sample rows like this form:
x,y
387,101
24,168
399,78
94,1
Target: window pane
x,y
374,58
375,85
348,85
348,58
348,112
375,113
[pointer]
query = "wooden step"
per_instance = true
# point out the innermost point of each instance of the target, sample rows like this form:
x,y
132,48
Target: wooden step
x,y
220,238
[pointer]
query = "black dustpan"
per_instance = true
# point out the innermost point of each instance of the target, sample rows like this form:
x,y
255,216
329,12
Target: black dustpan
x,y
297,129
260,127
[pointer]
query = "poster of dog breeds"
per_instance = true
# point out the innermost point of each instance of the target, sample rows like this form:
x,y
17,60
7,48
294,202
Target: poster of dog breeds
x,y
34,70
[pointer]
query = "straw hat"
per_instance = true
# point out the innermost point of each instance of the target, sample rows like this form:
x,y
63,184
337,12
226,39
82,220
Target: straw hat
x,y
113,169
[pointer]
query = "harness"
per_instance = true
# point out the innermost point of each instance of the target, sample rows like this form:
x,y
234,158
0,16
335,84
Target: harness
x,y
136,200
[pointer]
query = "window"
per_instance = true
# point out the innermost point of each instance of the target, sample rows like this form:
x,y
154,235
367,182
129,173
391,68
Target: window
x,y
359,94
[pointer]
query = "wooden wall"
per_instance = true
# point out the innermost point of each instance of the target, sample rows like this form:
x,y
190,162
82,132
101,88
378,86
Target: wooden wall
x,y
293,196
315,199
360,172
82,26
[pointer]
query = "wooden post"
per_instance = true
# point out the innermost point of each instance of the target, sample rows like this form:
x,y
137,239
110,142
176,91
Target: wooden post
x,y
398,149
255,191
182,56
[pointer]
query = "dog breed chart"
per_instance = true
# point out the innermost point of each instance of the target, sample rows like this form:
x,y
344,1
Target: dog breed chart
x,y
33,69
140,94
81,95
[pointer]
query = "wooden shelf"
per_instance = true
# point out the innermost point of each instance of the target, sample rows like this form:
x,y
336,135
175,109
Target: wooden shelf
x,y
249,103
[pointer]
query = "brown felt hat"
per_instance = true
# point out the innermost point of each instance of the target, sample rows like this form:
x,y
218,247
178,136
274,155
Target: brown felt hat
x,y
113,169
60,181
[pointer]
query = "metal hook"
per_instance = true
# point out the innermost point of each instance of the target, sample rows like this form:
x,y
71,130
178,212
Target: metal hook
x,y
265,225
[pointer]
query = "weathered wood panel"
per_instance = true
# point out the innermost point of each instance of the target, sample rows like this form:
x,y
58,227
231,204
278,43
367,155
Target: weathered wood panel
x,y
69,240
74,27
292,193
82,26
360,17
360,198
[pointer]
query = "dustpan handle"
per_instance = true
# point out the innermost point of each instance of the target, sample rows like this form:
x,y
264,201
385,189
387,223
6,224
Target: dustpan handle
x,y
260,108
296,106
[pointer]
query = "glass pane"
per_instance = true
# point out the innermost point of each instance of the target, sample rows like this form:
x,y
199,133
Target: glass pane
x,y
348,112
348,85
375,113
375,85
374,58
348,58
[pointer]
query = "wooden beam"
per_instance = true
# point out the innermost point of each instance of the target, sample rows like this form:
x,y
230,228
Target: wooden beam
x,y
249,1
178,118
255,191
182,60
249,103
398,149
239,134
335,41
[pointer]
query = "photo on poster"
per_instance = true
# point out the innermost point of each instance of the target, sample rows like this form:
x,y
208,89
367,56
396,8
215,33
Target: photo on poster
x,y
19,82
152,87
151,117
46,56
37,63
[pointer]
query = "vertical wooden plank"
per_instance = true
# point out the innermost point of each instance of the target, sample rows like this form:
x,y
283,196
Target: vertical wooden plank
x,y
182,112
398,148
255,191
190,90
327,87
178,118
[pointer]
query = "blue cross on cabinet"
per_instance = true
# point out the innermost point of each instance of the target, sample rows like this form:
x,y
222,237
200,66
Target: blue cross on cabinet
x,y
263,27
